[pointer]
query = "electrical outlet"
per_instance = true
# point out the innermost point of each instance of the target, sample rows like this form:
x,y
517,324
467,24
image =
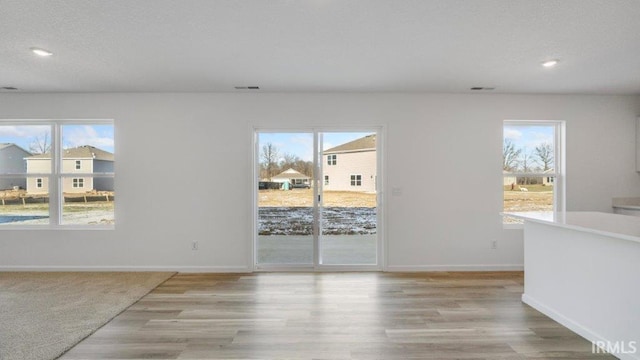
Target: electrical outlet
x,y
494,244
194,245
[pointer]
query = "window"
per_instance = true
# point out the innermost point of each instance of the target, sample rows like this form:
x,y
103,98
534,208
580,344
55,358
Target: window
x,y
326,179
78,183
532,167
332,159
356,180
57,173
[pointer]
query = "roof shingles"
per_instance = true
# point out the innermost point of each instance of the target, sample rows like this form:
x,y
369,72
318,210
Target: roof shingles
x,y
80,152
363,144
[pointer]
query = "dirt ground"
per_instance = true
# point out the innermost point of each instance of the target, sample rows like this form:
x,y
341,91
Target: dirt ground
x,y
304,198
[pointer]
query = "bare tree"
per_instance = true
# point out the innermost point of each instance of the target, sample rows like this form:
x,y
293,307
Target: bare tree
x,y
510,156
527,163
305,167
544,154
269,158
40,144
292,161
288,161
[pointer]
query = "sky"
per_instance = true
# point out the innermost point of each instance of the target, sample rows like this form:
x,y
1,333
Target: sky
x,y
529,136
301,144
100,136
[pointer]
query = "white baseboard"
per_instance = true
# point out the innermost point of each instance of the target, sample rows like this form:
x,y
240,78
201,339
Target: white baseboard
x,y
246,269
182,269
426,268
572,325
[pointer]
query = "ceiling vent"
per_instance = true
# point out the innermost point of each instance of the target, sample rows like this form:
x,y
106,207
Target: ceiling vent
x,y
480,88
247,87
8,88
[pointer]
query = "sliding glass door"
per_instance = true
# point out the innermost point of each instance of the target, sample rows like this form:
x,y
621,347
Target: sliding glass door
x,y
316,200
285,199
348,226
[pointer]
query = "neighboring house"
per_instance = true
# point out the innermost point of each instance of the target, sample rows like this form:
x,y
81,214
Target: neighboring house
x,y
12,161
294,177
351,166
81,160
508,180
537,180
548,180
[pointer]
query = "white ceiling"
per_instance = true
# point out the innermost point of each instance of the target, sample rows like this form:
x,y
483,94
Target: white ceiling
x,y
321,45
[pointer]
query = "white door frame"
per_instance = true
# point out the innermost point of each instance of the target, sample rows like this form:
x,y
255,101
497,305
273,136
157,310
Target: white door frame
x,y
380,131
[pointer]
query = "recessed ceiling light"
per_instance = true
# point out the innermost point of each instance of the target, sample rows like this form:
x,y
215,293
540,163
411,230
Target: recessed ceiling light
x,y
41,52
550,63
247,87
475,88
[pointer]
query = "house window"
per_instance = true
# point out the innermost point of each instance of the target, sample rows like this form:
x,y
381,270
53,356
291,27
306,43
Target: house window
x,y
46,175
532,167
356,180
332,159
326,179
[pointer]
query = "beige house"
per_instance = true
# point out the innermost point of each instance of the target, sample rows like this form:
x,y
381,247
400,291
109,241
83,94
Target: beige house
x,y
351,166
294,177
538,180
12,162
81,160
508,179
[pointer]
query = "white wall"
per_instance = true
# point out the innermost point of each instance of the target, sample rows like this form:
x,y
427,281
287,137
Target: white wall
x,y
161,139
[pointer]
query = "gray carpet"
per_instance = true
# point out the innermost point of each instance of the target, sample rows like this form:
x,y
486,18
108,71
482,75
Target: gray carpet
x,y
42,315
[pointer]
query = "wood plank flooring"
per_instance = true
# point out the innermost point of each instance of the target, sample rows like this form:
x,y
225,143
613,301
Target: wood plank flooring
x,y
335,316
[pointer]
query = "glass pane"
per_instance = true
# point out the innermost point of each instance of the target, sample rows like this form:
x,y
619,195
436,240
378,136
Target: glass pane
x,y
25,149
285,199
88,201
87,149
349,199
528,149
526,194
21,207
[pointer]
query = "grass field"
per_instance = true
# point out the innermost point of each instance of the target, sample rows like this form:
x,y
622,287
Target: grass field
x,y
304,198
96,212
537,198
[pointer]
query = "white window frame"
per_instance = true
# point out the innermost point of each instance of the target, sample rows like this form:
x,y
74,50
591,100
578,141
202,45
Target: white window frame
x,y
332,159
326,179
559,183
39,183
78,164
57,175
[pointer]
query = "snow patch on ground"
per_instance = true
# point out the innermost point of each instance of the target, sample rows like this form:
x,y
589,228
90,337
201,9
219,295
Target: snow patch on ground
x,y
299,221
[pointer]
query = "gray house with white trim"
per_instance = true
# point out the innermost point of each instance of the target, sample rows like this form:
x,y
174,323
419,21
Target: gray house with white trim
x,y
12,161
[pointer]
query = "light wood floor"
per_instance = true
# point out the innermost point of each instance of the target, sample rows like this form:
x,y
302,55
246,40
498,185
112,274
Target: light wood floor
x,y
335,316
